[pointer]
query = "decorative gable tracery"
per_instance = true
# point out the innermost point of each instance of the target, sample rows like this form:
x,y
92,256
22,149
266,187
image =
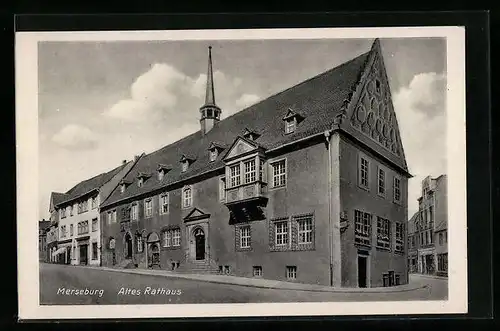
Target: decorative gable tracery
x,y
374,114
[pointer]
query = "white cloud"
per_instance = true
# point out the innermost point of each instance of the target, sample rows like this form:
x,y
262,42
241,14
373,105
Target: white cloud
x,y
421,113
165,94
247,100
74,136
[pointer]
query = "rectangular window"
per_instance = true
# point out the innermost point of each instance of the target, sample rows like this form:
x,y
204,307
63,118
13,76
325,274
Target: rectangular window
x,y
261,170
397,189
222,188
245,237
187,197
71,230
140,244
364,168
167,238
381,181
281,231
164,203
62,213
279,173
94,203
431,214
362,227
399,237
148,208
234,175
305,230
134,212
185,165
291,272
257,271
70,210
249,167
94,251
113,216
290,126
383,233
176,237
94,225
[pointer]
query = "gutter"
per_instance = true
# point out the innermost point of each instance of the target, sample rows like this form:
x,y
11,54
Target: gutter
x,y
76,198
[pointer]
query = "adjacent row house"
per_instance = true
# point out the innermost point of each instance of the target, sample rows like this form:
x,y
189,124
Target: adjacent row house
x,y
75,216
308,185
428,230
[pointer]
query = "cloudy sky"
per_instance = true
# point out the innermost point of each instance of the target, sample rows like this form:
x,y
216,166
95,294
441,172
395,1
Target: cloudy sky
x,y
102,102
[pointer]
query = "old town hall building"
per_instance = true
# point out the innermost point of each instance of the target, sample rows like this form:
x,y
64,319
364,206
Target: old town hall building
x,y
308,185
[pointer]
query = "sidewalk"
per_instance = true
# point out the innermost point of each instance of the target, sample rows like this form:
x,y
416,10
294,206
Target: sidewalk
x,y
261,283
415,274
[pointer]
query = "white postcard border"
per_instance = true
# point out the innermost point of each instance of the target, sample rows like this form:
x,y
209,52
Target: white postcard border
x,y
27,181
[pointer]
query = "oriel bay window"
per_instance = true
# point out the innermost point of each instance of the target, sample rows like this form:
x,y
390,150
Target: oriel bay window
x,y
245,179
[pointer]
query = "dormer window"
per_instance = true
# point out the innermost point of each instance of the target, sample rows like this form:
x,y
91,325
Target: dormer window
x,y
123,185
141,178
292,119
290,126
162,171
251,134
213,155
214,149
186,161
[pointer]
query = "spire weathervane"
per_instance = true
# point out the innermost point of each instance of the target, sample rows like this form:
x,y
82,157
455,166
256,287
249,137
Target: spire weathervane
x,y
210,93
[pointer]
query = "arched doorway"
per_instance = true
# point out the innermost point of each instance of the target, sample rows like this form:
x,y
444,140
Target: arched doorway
x,y
153,243
199,239
128,246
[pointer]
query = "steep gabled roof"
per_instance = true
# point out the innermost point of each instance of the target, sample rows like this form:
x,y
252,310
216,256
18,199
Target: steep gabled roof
x,y
318,99
88,185
56,198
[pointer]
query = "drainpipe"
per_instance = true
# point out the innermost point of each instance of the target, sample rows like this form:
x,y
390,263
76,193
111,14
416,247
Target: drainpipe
x,y
334,202
328,134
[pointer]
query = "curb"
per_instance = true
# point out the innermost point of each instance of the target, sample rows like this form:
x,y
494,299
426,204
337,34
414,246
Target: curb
x,y
379,290
428,276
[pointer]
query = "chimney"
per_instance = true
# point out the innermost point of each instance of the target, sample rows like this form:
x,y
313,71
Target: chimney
x,y
124,161
136,157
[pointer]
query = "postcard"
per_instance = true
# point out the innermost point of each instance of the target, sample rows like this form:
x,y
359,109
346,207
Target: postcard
x,y
225,173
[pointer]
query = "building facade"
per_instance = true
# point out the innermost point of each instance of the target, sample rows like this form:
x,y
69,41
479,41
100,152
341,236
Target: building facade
x,y
78,218
309,185
43,227
427,229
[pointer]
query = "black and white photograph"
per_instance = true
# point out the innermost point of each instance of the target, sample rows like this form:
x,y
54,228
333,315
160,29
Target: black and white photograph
x,y
241,173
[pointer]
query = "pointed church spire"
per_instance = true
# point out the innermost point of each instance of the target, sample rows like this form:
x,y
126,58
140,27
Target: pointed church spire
x,y
210,93
210,112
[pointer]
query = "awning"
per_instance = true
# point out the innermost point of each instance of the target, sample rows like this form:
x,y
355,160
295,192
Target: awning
x,y
59,251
